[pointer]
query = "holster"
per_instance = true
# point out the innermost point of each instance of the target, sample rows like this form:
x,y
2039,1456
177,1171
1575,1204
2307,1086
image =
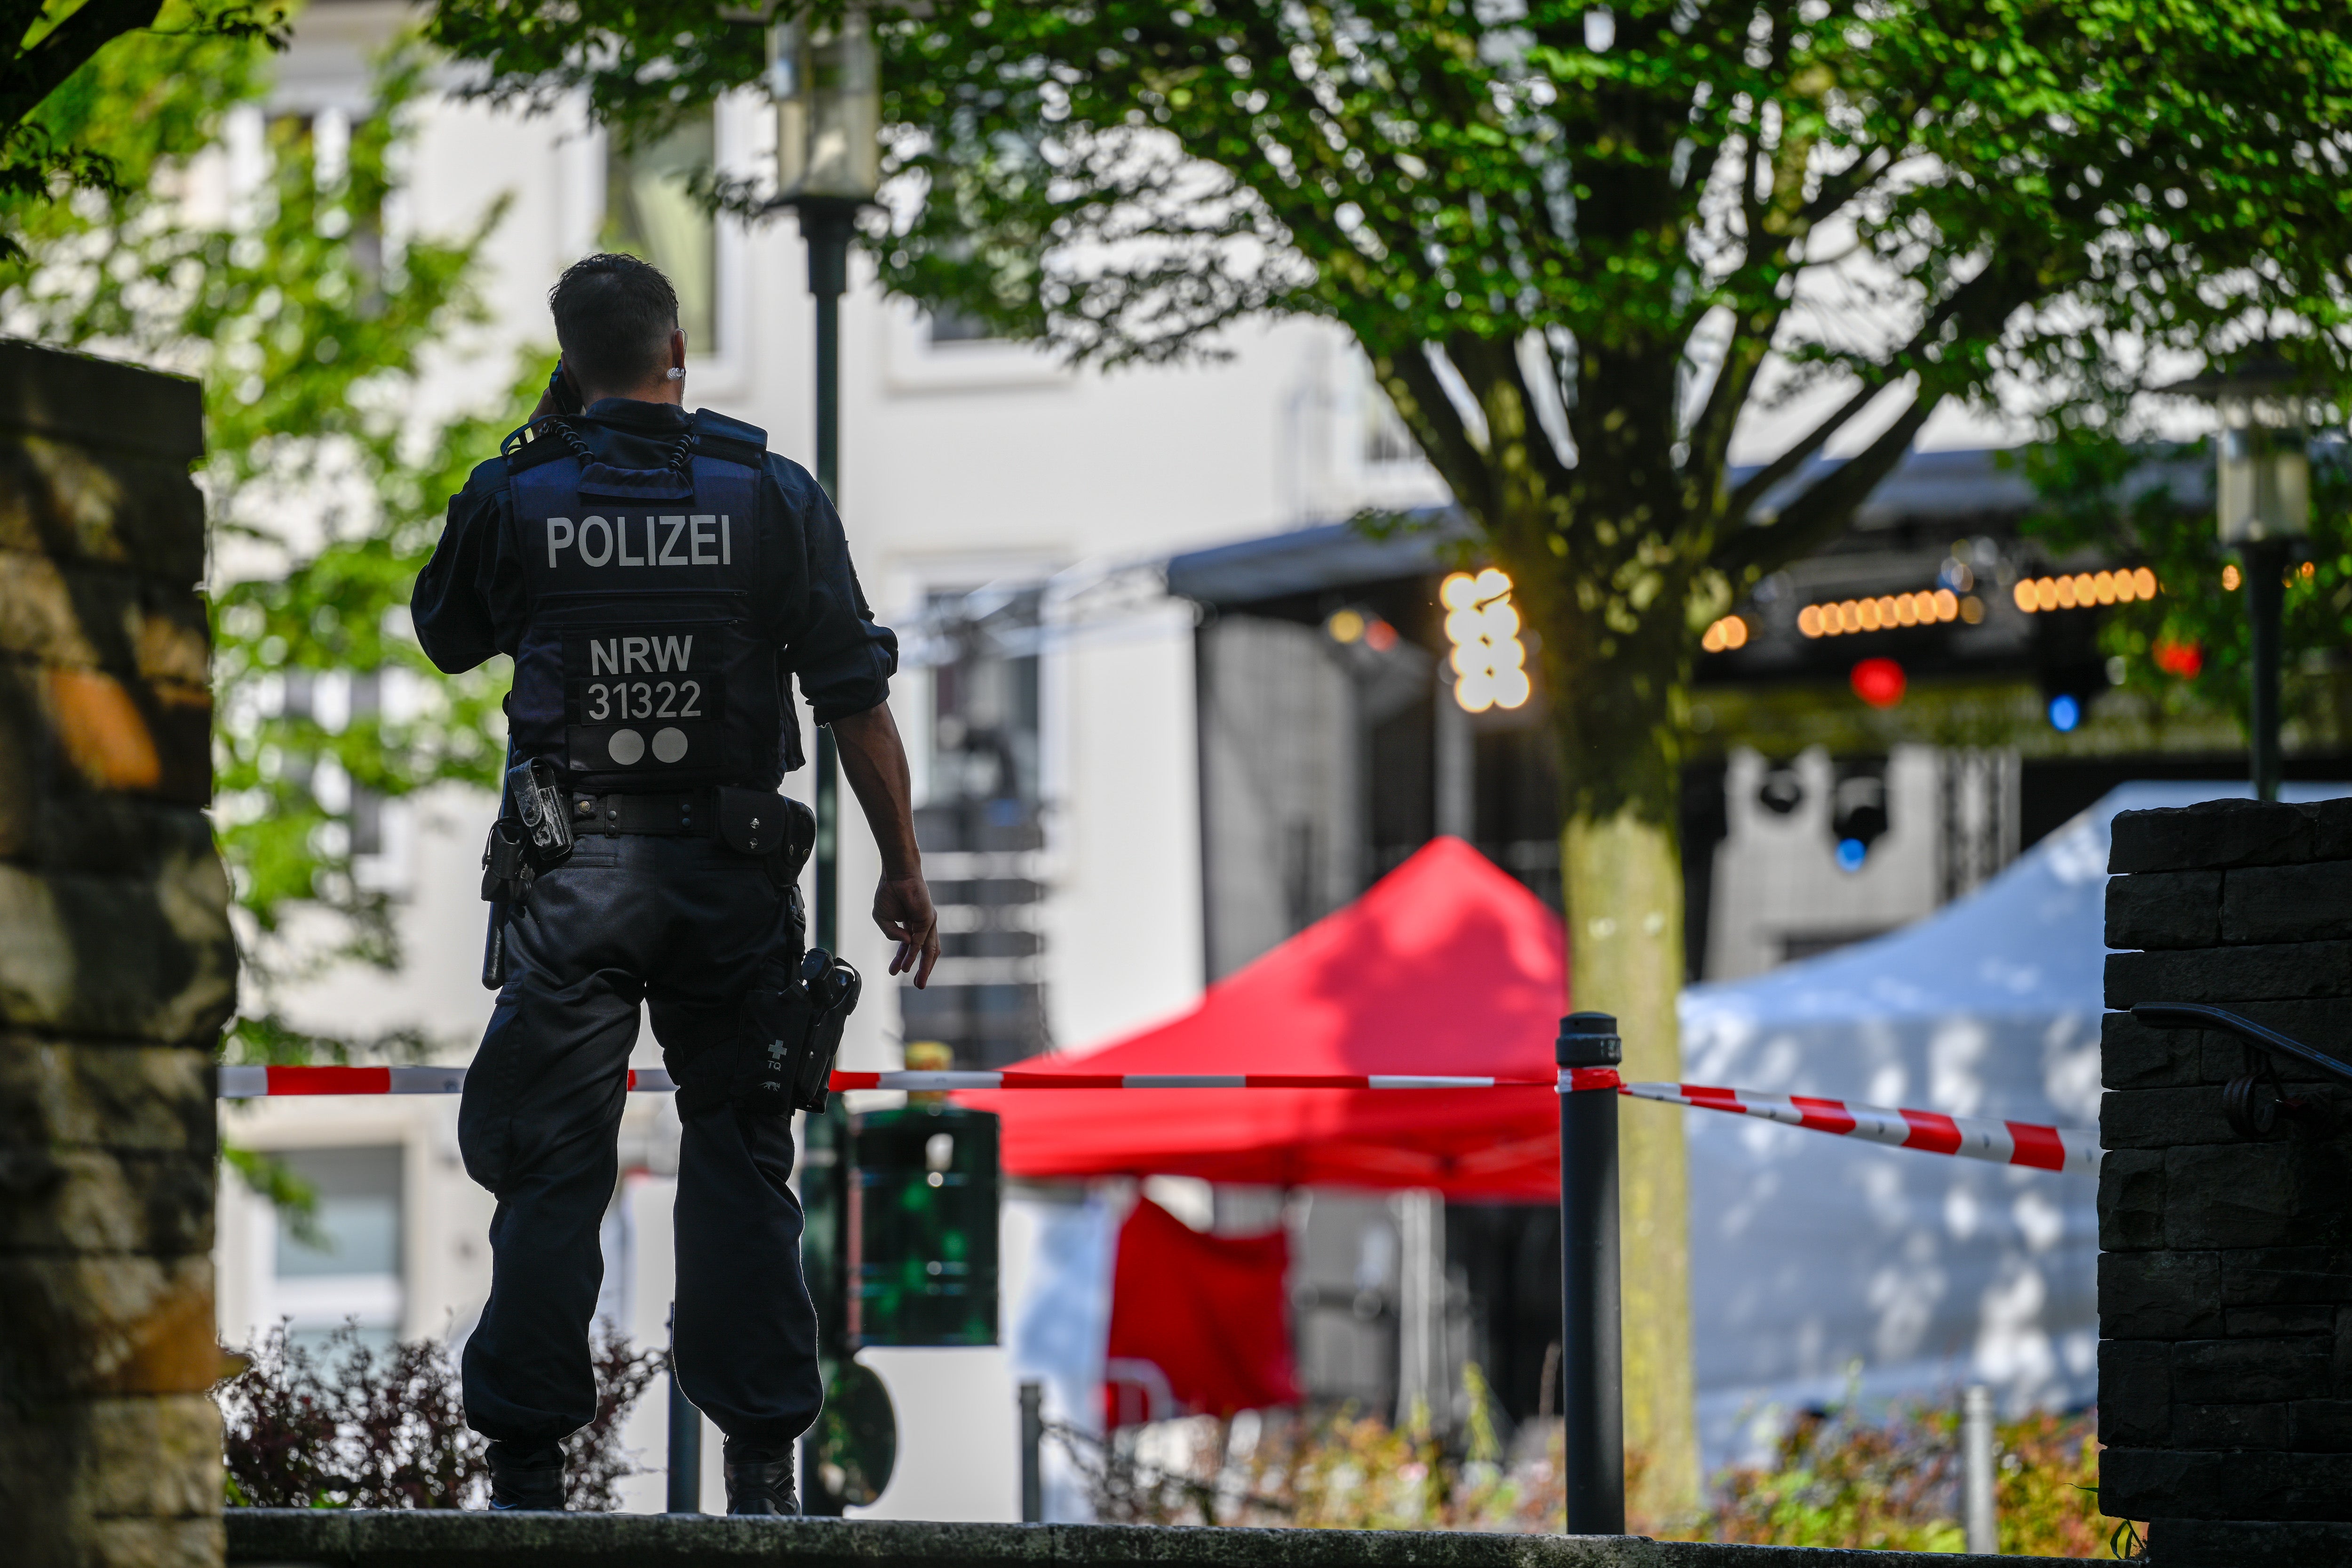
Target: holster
x,y
536,836
507,871
790,1037
532,833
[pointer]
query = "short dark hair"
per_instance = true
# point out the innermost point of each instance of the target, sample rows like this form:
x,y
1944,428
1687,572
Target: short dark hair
x,y
614,315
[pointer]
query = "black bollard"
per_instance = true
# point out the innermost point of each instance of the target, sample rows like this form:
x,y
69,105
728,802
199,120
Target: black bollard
x,y
1032,1445
1592,1355
684,1438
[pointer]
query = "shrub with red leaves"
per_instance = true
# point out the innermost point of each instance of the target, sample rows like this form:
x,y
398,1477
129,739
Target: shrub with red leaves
x,y
351,1426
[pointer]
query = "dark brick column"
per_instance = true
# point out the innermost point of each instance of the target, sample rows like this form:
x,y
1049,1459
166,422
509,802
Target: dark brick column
x,y
2225,1265
117,970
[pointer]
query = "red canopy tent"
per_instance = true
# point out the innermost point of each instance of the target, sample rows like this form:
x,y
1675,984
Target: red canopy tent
x,y
1447,965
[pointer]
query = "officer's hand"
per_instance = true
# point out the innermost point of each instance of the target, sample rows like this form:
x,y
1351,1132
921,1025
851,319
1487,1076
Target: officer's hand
x,y
902,908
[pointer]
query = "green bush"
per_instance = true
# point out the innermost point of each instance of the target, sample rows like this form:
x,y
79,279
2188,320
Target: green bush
x,y
1894,1484
1836,1479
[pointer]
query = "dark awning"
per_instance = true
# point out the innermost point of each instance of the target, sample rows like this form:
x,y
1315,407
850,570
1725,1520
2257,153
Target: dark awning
x,y
1927,489
1309,560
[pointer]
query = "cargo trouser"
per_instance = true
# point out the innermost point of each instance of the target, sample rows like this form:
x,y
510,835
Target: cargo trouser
x,y
685,925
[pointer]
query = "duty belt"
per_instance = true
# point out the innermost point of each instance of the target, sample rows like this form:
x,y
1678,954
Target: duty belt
x,y
688,813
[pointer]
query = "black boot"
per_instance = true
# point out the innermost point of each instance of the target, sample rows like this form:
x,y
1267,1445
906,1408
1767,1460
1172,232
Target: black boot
x,y
757,1483
529,1479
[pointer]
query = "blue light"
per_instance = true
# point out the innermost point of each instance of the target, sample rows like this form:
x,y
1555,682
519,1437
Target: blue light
x,y
2065,712
1851,854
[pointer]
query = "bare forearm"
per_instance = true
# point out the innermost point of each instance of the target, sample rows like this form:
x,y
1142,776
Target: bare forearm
x,y
875,765
874,761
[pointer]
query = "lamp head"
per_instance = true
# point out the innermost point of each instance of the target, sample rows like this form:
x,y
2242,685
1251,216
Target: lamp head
x,y
2263,468
822,76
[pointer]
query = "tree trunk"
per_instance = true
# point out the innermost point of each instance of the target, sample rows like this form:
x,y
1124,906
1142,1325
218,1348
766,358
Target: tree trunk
x,y
1606,563
1622,877
1616,655
117,969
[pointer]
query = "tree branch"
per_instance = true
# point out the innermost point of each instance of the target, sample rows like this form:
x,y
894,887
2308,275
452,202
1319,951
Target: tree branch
x,y
1823,512
1421,399
1752,490
1877,379
1494,375
67,48
1840,188
1743,359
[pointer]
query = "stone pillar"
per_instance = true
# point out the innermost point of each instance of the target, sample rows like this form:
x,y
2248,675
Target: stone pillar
x,y
117,970
2225,1264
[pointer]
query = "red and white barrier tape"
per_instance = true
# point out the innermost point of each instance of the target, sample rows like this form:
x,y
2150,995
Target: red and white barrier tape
x,y
1970,1138
938,1082
253,1083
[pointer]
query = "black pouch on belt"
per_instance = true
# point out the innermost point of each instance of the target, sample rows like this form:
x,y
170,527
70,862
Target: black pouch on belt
x,y
769,826
794,1033
545,808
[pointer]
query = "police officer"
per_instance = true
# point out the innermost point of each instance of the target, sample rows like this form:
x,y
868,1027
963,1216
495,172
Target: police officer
x,y
657,578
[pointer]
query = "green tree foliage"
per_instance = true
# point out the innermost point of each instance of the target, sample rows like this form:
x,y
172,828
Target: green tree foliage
x,y
62,69
311,330
1569,237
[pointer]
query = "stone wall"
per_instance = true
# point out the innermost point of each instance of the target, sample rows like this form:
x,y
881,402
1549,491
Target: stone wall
x,y
2225,1266
334,1538
117,970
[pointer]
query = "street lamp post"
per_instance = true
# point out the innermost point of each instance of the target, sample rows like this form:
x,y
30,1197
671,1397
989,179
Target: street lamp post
x,y
2263,506
822,76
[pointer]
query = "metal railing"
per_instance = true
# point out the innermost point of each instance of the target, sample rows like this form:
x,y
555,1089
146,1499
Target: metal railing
x,y
2251,1114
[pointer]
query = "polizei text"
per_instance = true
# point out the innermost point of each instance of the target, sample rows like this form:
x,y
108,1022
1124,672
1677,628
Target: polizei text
x,y
697,539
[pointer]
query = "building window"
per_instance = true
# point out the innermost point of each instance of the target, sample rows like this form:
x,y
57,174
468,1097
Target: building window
x,y
341,1262
1385,439
650,212
950,325
981,828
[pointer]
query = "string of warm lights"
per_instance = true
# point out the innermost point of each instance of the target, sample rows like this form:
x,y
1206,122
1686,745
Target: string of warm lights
x,y
1927,607
1488,659
1352,626
1725,635
2083,589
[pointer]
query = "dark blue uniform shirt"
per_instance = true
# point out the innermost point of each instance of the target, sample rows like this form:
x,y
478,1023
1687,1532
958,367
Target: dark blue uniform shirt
x,y
470,599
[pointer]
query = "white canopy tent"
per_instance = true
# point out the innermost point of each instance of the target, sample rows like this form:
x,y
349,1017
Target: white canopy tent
x,y
1821,1265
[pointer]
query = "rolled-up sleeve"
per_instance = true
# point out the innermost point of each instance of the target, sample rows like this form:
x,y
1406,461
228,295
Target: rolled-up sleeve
x,y
842,658
455,605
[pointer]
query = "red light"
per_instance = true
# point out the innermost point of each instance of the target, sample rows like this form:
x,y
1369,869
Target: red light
x,y
2181,659
1879,682
1381,635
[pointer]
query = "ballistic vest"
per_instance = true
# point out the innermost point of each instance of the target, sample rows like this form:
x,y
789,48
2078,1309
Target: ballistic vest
x,y
647,660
